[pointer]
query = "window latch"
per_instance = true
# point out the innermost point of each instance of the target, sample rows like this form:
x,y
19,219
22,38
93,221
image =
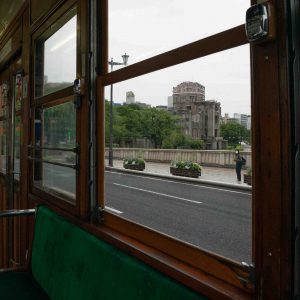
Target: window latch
x,y
249,279
97,215
77,93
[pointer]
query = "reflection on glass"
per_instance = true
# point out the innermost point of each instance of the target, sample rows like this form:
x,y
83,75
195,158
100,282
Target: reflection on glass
x,y
56,60
59,180
2,147
147,28
59,128
18,92
55,129
17,148
3,99
174,120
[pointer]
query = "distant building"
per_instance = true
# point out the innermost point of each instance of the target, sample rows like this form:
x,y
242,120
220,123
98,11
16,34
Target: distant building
x,y
143,105
249,123
130,97
244,120
170,102
162,107
200,119
237,117
233,120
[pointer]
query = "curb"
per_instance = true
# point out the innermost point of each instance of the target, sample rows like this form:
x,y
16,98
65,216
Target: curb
x,y
186,179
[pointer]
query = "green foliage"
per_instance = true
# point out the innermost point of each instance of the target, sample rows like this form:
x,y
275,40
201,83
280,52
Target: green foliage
x,y
157,125
60,125
239,147
186,165
249,171
131,122
195,144
71,158
133,161
235,134
175,140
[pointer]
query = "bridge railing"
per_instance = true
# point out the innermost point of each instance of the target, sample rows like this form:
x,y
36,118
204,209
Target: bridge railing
x,y
217,158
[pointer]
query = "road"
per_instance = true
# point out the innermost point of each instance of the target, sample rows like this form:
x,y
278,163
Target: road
x,y
214,218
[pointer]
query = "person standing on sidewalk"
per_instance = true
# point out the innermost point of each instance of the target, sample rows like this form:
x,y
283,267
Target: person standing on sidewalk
x,y
238,165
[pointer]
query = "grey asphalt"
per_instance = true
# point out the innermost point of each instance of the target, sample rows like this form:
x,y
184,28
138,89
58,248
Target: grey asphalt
x,y
209,173
213,218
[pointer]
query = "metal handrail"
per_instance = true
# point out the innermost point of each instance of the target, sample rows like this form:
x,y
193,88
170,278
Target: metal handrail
x,y
17,212
71,166
75,150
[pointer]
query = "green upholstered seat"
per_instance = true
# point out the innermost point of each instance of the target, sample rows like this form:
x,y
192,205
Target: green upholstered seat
x,y
70,263
20,285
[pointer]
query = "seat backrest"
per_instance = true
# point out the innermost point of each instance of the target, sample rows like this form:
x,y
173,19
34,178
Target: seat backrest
x,y
70,263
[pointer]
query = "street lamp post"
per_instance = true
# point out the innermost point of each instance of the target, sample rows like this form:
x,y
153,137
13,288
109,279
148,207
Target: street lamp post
x,y
110,153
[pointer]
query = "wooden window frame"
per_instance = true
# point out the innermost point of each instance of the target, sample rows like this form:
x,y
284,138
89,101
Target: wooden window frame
x,y
81,206
271,189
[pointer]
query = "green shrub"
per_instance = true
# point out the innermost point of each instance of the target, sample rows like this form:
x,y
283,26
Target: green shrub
x,y
186,165
133,161
249,171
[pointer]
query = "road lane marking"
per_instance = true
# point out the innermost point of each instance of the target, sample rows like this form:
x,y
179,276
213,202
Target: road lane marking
x,y
198,186
155,193
113,210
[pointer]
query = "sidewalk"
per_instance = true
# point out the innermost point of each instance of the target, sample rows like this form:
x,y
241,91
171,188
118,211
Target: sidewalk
x,y
208,173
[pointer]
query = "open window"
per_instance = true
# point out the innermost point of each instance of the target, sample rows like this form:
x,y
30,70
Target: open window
x,y
55,149
183,88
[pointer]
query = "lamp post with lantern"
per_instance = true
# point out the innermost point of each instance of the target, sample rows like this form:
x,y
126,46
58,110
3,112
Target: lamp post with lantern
x,y
113,63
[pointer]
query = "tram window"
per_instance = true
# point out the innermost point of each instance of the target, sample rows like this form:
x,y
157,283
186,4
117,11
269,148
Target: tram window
x,y
134,25
55,60
18,92
150,124
2,147
3,100
17,149
3,107
55,135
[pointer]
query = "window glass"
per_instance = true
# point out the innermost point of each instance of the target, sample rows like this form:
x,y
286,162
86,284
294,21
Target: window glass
x,y
59,128
17,148
143,28
3,146
55,133
3,99
56,60
186,120
18,92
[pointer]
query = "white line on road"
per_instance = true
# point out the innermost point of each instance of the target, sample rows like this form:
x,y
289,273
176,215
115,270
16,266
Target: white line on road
x,y
199,186
156,193
113,210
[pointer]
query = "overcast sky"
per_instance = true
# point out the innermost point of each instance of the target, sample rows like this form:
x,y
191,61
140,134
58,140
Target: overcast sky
x,y
146,28
143,29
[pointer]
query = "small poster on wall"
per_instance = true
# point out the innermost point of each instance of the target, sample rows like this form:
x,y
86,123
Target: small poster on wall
x,y
3,88
18,92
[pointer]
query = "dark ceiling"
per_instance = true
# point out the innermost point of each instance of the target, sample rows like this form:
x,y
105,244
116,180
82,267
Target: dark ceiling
x,y
8,9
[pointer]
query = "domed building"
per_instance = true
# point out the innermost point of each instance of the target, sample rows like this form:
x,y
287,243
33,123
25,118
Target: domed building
x,y
200,118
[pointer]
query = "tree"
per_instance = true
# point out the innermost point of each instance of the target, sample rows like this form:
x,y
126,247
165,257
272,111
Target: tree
x,y
60,125
235,133
157,125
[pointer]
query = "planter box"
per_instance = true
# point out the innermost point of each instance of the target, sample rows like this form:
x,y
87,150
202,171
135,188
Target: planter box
x,y
185,172
140,167
248,179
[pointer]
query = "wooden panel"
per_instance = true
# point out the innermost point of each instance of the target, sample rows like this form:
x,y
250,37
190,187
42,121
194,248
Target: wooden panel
x,y
271,166
39,8
3,225
11,45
